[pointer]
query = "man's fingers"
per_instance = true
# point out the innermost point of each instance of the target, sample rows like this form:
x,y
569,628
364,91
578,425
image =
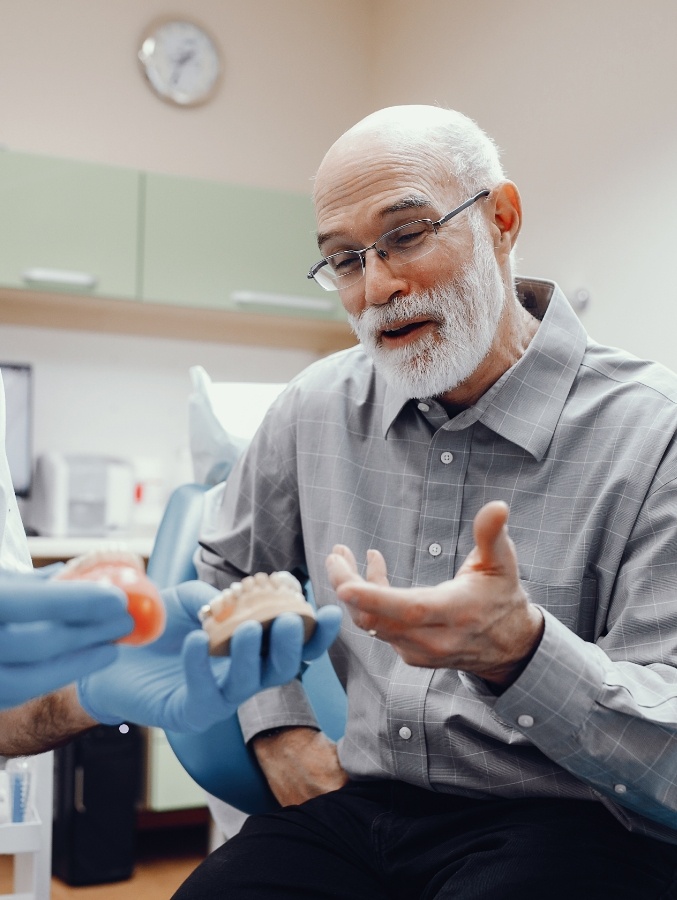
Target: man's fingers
x,y
494,550
347,554
342,567
377,572
339,570
370,604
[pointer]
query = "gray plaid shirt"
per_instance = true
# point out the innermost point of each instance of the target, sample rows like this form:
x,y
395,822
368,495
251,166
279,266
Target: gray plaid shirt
x,y
579,440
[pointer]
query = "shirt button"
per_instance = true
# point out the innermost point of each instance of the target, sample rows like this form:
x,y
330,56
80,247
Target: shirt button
x,y
424,407
405,733
447,457
525,721
620,789
434,549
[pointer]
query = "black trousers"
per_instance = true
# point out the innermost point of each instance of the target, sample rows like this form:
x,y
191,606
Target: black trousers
x,y
374,840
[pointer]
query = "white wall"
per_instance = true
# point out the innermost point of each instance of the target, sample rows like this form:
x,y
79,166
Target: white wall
x,y
72,86
128,396
581,97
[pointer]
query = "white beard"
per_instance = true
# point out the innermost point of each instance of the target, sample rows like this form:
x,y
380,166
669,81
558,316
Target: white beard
x,y
468,309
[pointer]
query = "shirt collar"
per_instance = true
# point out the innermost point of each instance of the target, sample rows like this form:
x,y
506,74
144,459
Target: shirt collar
x,y
525,404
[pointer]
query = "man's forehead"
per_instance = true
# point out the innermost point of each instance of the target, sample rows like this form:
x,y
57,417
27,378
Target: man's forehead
x,y
414,202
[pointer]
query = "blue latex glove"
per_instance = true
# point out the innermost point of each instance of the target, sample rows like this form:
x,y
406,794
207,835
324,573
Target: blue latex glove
x,y
53,632
174,684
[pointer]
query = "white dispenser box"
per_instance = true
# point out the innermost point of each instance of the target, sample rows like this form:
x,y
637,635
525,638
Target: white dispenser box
x,y
81,495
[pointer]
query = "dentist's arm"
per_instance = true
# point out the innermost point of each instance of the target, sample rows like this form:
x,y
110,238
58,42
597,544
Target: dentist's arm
x,y
43,723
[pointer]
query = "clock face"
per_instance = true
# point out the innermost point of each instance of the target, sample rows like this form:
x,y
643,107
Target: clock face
x,y
181,62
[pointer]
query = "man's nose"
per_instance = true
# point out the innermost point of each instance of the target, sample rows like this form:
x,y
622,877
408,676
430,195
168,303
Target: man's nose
x,y
381,280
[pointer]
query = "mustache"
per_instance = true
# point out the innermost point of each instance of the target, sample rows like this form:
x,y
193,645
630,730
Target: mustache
x,y
400,309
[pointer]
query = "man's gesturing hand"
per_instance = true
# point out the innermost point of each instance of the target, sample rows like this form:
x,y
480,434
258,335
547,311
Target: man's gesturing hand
x,y
481,621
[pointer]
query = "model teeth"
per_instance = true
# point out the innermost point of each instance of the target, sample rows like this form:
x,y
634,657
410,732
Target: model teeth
x,y
260,598
282,583
285,580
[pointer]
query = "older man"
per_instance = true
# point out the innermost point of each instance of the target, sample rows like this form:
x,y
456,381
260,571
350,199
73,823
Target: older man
x,y
512,727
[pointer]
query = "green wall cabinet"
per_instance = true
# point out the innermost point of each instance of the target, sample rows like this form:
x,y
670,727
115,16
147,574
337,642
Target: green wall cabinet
x,y
104,248
68,226
220,246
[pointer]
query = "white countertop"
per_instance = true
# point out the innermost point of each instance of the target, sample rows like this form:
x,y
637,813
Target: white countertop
x,y
45,548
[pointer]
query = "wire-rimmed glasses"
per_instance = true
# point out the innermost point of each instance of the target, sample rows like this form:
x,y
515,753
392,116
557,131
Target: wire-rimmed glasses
x,y
399,246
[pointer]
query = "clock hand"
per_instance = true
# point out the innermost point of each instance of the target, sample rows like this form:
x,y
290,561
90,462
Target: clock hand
x,y
179,63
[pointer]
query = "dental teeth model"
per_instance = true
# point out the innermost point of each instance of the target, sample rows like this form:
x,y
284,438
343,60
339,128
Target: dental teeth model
x,y
126,571
258,597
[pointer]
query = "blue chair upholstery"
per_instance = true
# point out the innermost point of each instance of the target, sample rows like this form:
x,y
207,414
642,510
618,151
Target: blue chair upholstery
x,y
171,561
218,759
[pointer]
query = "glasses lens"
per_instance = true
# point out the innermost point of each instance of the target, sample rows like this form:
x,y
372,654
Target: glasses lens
x,y
399,246
408,241
339,270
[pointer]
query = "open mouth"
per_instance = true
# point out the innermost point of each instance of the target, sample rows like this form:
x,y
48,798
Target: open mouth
x,y
403,331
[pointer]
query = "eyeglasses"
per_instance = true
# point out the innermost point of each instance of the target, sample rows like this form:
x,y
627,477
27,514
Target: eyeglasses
x,y
399,246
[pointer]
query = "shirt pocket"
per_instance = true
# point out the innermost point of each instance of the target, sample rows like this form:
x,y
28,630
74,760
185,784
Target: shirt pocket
x,y
574,603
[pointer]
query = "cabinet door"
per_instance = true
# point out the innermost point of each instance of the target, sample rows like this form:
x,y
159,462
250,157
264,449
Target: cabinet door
x,y
168,785
213,245
68,225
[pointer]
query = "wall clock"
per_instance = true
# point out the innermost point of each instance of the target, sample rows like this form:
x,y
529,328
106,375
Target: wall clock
x,y
181,62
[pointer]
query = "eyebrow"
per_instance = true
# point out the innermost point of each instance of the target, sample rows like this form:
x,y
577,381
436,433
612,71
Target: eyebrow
x,y
413,201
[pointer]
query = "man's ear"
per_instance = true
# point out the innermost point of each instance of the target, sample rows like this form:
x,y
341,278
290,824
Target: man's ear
x,y
506,216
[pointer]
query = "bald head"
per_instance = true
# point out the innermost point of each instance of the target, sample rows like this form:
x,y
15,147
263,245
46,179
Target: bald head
x,y
442,138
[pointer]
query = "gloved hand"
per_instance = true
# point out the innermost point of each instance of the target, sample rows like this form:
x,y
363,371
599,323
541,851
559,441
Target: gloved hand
x,y
174,684
53,632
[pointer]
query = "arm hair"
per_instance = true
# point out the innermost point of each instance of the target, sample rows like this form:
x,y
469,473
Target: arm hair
x,y
43,723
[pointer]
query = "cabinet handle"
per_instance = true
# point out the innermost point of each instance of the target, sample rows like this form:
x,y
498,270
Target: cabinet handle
x,y
255,298
62,277
79,790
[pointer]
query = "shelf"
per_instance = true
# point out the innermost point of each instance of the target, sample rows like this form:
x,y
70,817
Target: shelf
x,y
20,837
86,313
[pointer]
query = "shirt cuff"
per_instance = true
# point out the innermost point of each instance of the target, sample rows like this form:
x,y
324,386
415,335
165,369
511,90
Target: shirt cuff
x,y
277,707
556,693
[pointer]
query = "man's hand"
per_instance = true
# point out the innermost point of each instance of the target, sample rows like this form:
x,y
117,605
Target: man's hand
x,y
480,622
53,632
299,763
174,684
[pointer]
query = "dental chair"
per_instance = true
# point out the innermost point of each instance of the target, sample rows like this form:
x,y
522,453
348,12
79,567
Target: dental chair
x,y
218,759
